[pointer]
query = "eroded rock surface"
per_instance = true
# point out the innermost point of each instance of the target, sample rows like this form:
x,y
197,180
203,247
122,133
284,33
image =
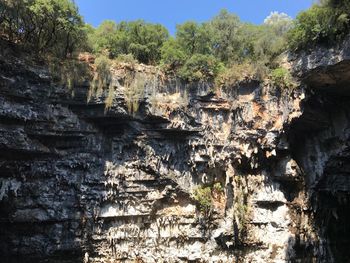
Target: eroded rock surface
x,y
84,180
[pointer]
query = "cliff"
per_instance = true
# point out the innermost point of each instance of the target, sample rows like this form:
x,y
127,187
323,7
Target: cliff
x,y
152,169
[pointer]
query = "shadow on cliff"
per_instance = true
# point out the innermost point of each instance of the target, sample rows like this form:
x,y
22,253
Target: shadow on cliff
x,y
319,143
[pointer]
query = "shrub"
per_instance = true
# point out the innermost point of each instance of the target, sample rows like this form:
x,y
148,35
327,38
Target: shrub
x,y
104,38
281,77
203,196
146,40
200,68
241,211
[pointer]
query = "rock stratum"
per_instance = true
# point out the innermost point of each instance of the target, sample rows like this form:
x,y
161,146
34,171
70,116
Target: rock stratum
x,y
84,180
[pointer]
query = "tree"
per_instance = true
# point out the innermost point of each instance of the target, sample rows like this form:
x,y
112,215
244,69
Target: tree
x,y
146,40
142,40
193,38
172,54
343,4
323,23
53,26
89,32
104,36
224,29
281,23
199,51
312,26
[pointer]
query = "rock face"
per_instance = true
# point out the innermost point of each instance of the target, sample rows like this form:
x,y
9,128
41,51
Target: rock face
x,y
122,174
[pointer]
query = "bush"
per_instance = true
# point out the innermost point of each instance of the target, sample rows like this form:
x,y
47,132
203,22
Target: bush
x,y
200,68
104,38
203,196
241,211
280,77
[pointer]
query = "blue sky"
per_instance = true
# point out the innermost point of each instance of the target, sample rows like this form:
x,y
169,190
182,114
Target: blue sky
x,y
172,12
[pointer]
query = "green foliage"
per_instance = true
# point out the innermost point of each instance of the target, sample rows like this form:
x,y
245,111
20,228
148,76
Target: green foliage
x,y
193,38
200,67
224,29
189,54
146,40
260,43
44,26
281,77
90,41
104,37
224,48
241,213
322,23
240,207
200,51
142,40
173,55
203,196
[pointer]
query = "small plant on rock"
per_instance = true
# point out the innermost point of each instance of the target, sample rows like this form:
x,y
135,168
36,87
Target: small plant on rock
x,y
240,209
203,196
281,77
